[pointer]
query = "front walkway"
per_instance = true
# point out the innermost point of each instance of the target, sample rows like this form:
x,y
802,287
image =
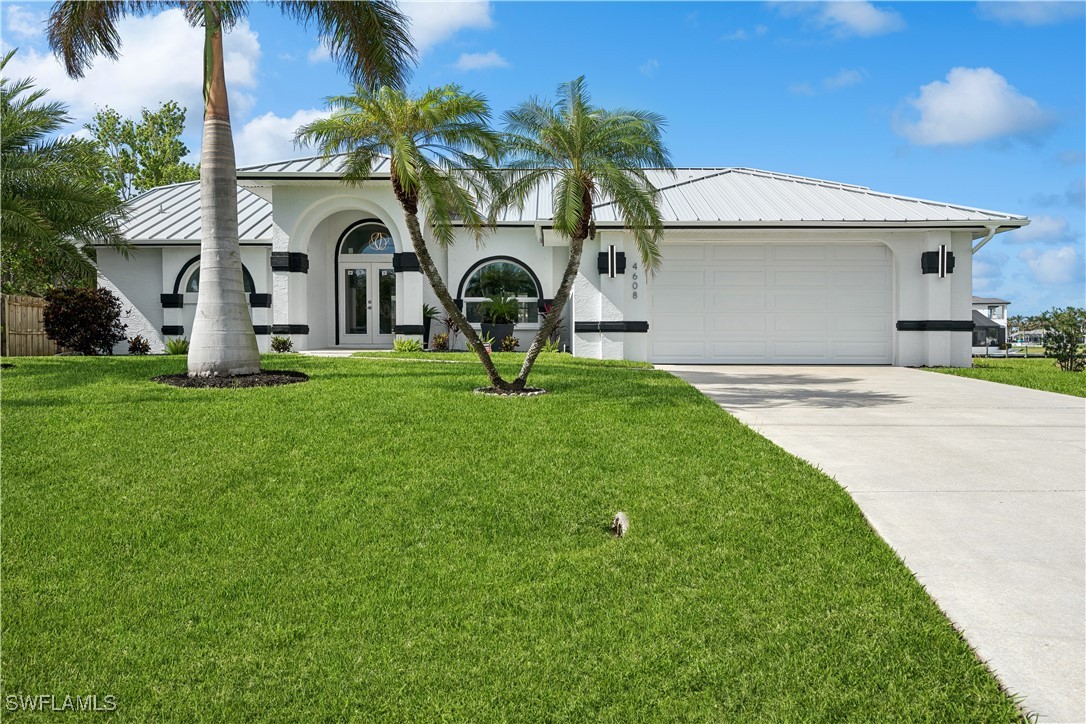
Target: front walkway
x,y
978,486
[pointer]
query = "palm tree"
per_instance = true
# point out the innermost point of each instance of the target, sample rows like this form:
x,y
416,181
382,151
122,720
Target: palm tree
x,y
591,156
441,153
53,209
369,40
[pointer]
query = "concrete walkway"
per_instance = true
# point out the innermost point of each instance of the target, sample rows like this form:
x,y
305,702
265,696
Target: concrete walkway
x,y
978,486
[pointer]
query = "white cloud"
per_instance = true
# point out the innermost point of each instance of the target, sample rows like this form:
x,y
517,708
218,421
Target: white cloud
x,y
1042,229
974,104
739,34
987,275
269,137
649,67
319,54
846,19
1054,266
1031,13
23,22
843,79
433,22
481,61
161,58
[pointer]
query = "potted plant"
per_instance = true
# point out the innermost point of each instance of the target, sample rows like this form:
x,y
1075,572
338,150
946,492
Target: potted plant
x,y
499,316
429,313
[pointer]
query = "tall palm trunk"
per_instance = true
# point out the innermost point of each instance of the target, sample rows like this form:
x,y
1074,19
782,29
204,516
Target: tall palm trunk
x,y
223,341
429,270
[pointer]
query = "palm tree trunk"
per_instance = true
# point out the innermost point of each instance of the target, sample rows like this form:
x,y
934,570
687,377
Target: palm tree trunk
x,y
222,341
429,270
576,248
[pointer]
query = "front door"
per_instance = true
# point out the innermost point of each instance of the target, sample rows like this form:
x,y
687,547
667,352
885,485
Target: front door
x,y
367,303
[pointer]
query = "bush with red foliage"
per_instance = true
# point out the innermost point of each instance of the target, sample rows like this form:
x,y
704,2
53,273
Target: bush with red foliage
x,y
84,320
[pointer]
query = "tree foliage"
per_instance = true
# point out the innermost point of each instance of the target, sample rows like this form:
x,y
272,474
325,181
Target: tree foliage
x,y
1063,339
53,207
83,320
137,155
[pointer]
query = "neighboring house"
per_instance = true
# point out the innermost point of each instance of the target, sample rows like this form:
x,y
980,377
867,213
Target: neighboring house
x,y
757,267
990,317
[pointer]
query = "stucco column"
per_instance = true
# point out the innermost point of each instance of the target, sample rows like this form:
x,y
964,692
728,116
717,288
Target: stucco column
x,y
290,288
409,296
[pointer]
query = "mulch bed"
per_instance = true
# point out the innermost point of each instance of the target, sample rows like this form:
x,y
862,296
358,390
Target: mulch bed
x,y
498,392
269,378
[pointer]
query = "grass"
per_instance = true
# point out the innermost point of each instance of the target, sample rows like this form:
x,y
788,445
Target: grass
x,y
379,543
1037,374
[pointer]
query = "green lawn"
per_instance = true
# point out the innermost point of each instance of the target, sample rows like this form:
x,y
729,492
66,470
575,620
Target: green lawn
x,y
379,543
1038,374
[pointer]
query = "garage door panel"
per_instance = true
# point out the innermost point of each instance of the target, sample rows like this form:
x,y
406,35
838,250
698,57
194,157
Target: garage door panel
x,y
737,252
740,302
730,279
773,303
802,252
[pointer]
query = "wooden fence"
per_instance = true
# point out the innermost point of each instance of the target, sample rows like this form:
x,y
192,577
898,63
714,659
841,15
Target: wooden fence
x,y
21,324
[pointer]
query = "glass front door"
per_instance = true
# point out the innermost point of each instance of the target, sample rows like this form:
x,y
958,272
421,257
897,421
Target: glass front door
x,y
367,303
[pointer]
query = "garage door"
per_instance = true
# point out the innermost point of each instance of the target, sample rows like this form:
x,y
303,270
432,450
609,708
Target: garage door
x,y
773,303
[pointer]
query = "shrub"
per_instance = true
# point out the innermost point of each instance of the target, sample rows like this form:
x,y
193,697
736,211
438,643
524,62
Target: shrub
x,y
500,310
138,345
83,319
407,344
440,342
282,344
177,345
551,346
1063,337
510,344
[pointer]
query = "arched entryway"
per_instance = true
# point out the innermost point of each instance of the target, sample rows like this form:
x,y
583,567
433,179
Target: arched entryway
x,y
365,295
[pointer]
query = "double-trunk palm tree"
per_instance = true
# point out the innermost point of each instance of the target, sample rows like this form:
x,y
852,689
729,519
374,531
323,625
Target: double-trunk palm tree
x,y
590,156
442,155
369,40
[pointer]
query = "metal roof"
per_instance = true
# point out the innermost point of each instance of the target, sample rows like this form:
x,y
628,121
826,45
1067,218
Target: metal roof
x,y
172,214
989,300
711,197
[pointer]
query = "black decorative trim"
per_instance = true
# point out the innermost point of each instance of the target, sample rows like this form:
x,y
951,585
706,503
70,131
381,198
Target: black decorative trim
x,y
408,329
290,329
611,327
261,329
935,325
290,261
173,330
459,304
405,261
489,259
196,260
173,301
260,300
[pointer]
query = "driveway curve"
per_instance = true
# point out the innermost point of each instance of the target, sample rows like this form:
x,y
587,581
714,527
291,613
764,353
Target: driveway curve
x,y
979,487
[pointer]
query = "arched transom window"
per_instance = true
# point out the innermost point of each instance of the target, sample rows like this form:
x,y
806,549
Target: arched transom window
x,y
369,237
192,286
501,278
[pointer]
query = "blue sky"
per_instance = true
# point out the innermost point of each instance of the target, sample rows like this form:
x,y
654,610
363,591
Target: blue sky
x,y
973,103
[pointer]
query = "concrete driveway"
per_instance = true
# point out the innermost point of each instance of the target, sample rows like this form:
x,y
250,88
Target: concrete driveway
x,y
978,486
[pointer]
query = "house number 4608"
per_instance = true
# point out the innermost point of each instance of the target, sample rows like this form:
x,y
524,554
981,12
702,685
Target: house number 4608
x,y
634,278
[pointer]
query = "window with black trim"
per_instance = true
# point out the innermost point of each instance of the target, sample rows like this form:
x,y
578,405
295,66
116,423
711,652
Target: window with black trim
x,y
192,286
502,279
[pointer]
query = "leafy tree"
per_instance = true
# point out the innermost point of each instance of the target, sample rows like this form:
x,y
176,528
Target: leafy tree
x,y
368,38
587,154
83,319
53,209
442,153
140,155
1064,331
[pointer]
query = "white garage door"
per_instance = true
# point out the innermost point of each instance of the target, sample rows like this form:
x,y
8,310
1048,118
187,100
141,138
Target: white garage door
x,y
773,303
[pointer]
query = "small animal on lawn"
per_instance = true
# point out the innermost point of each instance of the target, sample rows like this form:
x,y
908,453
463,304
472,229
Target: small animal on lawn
x,y
620,524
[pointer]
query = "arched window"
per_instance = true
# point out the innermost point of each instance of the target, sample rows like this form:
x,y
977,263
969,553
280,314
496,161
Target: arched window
x,y
501,278
368,237
193,284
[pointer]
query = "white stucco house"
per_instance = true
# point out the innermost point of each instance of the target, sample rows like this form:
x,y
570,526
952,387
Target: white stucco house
x,y
990,318
758,267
